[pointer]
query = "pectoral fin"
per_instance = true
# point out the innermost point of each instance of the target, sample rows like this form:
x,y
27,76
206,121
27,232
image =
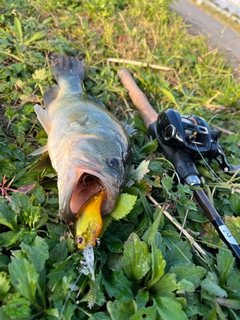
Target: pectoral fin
x,y
43,117
39,151
50,94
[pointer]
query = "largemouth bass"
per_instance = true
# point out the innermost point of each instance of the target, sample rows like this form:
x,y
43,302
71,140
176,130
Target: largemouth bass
x,y
88,147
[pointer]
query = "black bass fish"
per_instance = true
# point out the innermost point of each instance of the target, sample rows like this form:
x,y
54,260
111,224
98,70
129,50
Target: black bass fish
x,y
88,147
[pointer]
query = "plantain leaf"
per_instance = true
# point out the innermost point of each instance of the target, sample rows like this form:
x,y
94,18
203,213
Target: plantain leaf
x,y
158,266
38,35
18,29
136,258
24,278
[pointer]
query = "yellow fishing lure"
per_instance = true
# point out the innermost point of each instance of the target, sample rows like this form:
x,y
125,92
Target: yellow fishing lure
x,y
88,223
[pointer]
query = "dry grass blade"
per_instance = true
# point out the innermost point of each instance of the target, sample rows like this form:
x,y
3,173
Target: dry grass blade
x,y
138,63
222,129
186,234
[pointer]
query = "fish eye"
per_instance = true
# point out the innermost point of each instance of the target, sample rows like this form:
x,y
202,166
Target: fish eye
x,y
114,163
79,240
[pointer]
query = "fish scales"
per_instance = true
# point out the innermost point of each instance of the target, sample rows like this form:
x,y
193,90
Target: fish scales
x,y
85,141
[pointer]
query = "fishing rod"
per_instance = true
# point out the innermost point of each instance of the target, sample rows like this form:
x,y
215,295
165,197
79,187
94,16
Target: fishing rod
x,y
182,140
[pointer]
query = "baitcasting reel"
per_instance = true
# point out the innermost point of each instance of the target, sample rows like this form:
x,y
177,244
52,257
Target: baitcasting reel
x,y
191,134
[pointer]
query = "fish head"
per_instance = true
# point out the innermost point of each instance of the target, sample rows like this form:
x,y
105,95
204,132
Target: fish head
x,y
84,177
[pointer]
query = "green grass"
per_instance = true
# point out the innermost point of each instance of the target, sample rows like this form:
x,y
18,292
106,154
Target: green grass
x,y
145,267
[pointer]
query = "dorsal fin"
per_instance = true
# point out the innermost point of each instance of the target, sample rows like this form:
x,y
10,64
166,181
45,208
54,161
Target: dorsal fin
x,y
43,117
50,94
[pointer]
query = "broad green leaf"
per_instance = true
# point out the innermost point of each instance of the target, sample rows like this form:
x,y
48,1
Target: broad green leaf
x,y
121,310
145,313
106,220
24,278
142,298
57,274
211,285
225,264
124,205
192,273
58,253
149,147
136,258
194,305
7,216
36,252
167,183
166,285
4,284
17,307
179,252
118,286
20,200
158,266
185,285
169,309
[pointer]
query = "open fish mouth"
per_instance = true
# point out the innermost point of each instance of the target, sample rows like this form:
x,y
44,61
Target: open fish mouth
x,y
86,187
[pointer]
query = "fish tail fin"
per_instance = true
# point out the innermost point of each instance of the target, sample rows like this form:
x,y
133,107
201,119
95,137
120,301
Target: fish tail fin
x,y
64,66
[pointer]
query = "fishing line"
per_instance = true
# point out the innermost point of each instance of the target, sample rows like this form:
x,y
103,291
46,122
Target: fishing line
x,y
210,169
68,296
207,165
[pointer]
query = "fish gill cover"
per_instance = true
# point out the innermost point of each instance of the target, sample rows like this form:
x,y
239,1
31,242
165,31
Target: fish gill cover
x,y
145,267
